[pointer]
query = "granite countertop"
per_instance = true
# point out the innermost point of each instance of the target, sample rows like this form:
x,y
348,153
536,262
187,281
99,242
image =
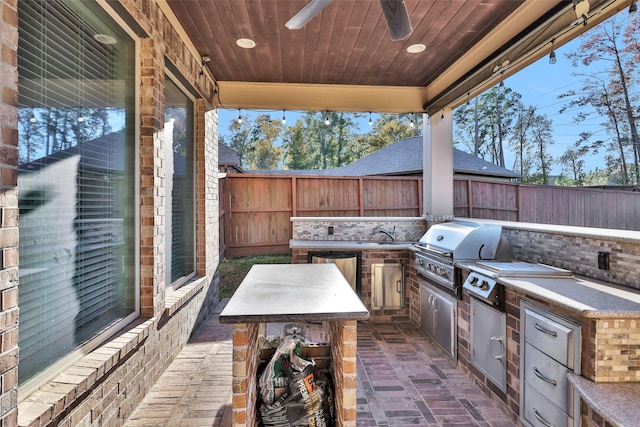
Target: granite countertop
x,y
349,245
615,402
293,292
587,297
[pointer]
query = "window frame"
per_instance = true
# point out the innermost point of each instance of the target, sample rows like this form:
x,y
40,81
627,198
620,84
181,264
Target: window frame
x,y
64,363
183,280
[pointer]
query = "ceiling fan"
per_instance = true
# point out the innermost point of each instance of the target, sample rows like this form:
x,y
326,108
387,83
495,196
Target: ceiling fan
x,y
395,12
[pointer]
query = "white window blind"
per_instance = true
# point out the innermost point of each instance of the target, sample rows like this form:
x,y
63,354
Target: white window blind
x,y
75,180
180,172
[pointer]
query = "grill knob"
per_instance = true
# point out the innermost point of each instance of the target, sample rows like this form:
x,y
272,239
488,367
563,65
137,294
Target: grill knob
x,y
441,271
484,286
474,281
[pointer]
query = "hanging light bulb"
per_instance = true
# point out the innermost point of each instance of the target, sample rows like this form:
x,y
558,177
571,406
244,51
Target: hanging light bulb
x,y
239,117
326,119
284,119
633,8
552,54
370,121
411,123
33,119
442,116
468,96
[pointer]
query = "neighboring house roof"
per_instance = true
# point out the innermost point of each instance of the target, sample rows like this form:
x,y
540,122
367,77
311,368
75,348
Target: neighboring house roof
x,y
404,157
227,156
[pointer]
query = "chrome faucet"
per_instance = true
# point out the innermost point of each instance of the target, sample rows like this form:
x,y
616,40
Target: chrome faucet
x,y
392,236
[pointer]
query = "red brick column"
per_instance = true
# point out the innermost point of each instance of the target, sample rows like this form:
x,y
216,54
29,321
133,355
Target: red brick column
x,y
152,201
344,336
245,365
9,236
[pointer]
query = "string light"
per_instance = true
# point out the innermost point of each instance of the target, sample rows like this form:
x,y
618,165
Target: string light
x,y
284,119
239,117
633,8
552,54
326,119
370,121
442,116
411,123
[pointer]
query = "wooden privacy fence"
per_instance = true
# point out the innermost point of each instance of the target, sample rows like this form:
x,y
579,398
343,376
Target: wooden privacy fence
x,y
255,210
578,206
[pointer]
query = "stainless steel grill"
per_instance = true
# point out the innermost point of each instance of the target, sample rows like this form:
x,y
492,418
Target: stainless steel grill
x,y
447,243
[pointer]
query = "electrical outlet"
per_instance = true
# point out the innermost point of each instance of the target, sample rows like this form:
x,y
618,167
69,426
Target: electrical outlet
x,y
330,230
603,260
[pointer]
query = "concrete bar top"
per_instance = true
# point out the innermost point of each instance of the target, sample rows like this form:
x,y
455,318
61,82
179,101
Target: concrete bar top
x,y
293,292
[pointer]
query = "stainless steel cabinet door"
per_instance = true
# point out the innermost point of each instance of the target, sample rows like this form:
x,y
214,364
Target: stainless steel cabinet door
x,y
387,285
438,318
488,342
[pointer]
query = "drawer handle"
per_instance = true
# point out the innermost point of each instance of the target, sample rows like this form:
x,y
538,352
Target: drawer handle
x,y
545,330
542,420
499,340
544,378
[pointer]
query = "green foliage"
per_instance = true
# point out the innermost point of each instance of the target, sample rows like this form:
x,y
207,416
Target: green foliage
x,y
317,140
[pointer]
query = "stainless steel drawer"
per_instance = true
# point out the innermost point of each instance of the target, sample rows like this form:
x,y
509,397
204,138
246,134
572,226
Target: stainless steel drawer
x,y
548,377
540,412
549,336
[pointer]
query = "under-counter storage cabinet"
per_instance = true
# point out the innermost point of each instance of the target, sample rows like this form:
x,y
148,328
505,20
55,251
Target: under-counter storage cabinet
x,y
550,348
438,318
387,290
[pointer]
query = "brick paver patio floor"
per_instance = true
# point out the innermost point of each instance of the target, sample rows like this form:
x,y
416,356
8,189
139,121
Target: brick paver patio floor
x,y
403,380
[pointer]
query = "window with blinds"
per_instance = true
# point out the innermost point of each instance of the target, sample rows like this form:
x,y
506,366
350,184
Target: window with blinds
x,y
179,158
76,180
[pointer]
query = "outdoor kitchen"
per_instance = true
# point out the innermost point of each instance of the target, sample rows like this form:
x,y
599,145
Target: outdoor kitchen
x,y
542,317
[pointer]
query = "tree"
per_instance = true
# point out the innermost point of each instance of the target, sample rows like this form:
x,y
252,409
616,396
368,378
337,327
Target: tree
x,y
519,141
297,152
542,137
390,128
606,44
239,139
485,125
265,152
574,164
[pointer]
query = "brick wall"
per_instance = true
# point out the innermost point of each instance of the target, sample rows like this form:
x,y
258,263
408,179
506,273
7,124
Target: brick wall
x,y
9,236
579,253
104,387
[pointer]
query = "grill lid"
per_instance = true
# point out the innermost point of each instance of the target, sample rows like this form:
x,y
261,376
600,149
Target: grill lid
x,y
463,240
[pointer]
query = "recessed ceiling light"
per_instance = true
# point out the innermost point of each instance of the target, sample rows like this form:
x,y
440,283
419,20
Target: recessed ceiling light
x,y
105,39
246,43
416,48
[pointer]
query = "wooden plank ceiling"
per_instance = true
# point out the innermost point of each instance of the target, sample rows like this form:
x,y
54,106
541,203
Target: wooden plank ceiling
x,y
343,59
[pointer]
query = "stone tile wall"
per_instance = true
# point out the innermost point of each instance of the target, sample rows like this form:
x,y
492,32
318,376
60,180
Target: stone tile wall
x,y
579,253
357,229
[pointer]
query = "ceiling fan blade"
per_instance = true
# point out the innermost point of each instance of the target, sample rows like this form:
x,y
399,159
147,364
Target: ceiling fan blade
x,y
305,14
395,11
